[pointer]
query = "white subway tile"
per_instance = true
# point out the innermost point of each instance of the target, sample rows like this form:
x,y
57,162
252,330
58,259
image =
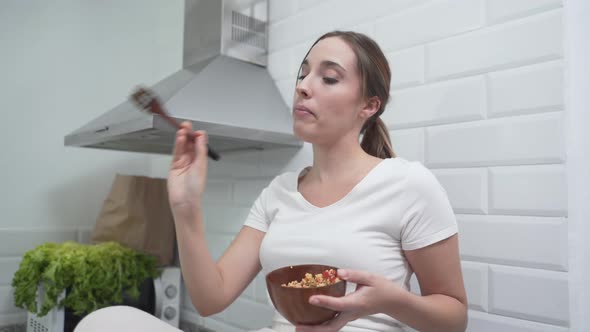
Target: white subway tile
x,y
8,267
225,169
159,166
536,88
246,191
305,4
217,244
280,65
414,285
536,242
287,91
224,219
250,315
535,39
528,190
218,326
475,277
84,235
466,187
261,295
408,143
298,54
483,322
367,29
276,161
217,191
407,67
279,9
502,10
536,295
531,139
13,318
190,316
250,291
311,23
435,20
15,242
451,101
7,301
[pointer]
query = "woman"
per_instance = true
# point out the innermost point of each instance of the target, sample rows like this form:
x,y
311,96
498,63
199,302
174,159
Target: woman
x,y
377,217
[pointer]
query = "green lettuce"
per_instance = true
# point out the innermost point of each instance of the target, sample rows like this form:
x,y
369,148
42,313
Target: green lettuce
x,y
95,276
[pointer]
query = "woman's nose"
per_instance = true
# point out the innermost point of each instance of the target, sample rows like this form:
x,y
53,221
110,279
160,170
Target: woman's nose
x,y
302,90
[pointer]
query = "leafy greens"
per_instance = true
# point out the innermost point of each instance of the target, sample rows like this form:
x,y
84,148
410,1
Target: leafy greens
x,y
95,276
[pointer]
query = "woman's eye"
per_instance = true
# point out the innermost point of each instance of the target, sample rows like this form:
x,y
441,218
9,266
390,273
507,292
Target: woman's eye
x,y
300,77
329,80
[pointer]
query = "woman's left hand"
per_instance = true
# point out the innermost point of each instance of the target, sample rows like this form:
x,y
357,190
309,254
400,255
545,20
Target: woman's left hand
x,y
373,293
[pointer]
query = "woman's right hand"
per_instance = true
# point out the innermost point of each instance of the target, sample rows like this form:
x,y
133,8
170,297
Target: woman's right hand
x,y
188,170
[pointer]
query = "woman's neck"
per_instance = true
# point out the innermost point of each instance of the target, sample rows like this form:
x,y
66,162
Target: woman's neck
x,y
338,163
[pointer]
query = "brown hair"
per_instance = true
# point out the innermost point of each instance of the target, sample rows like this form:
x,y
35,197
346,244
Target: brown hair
x,y
375,79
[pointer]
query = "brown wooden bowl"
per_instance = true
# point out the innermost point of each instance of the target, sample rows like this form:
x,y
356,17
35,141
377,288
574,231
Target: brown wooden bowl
x,y
293,303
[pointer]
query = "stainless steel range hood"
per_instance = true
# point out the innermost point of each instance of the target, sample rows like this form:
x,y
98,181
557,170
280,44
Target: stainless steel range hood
x,y
223,88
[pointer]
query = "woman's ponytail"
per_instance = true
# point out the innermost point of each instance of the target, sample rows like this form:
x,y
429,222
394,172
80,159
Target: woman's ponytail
x,y
376,141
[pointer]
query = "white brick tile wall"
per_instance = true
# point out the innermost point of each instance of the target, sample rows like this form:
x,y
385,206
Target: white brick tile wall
x,y
466,187
216,325
451,101
475,277
408,143
15,318
15,242
528,190
7,302
261,295
217,244
540,88
279,9
286,88
535,139
8,267
536,242
407,67
482,322
280,64
305,4
84,235
249,314
434,20
534,39
310,23
501,10
217,191
529,294
187,315
224,219
246,191
366,28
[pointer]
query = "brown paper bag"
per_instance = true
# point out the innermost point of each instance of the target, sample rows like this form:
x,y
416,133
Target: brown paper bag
x,y
137,214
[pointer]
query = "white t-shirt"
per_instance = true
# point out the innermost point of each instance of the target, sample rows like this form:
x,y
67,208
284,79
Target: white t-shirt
x,y
399,205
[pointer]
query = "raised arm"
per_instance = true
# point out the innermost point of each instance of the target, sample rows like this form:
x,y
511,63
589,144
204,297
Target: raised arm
x,y
212,285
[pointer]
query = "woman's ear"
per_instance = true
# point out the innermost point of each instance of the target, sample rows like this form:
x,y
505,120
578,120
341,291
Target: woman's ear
x,y
371,107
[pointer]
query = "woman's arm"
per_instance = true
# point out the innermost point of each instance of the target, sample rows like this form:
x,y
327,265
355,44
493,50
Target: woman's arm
x,y
211,286
442,307
214,286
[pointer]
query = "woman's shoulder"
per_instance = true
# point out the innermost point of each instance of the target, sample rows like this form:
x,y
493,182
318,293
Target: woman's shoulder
x,y
414,174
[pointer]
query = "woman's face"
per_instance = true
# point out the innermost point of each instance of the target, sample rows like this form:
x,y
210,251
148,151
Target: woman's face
x,y
327,103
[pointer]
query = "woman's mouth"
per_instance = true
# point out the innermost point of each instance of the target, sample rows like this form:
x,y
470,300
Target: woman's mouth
x,y
302,111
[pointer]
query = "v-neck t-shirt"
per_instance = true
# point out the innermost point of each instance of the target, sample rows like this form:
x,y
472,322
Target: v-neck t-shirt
x,y
399,205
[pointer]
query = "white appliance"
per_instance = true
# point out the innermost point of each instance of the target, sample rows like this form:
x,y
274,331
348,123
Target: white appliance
x,y
167,293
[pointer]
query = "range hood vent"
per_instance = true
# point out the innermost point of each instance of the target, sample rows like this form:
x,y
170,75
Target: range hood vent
x,y
223,88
